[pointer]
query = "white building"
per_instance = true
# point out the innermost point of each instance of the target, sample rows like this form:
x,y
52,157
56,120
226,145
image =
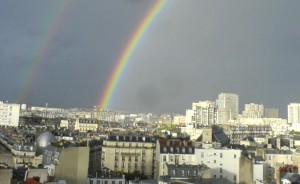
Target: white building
x,y
294,116
223,162
294,113
228,107
202,113
259,170
253,110
9,114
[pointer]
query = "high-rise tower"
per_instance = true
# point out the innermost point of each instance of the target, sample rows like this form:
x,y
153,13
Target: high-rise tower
x,y
228,107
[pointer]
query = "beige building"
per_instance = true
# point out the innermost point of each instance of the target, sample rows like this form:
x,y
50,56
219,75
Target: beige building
x,y
179,120
5,175
73,165
275,159
24,155
129,153
84,125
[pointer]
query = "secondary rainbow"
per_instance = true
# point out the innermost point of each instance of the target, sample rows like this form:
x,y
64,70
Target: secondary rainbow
x,y
127,53
44,44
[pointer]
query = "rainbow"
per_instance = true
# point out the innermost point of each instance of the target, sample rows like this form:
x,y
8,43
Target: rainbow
x,y
127,53
54,23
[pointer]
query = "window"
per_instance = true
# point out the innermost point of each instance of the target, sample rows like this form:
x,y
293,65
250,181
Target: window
x,y
106,182
234,156
98,181
92,182
221,170
215,161
164,158
120,182
221,176
113,182
171,158
221,155
234,177
182,172
215,176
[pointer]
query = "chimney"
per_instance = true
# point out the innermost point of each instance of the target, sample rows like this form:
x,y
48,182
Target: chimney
x,y
291,143
269,146
278,143
168,142
207,135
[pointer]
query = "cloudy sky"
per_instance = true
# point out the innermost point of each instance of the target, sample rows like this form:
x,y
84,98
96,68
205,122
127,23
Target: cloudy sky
x,y
62,52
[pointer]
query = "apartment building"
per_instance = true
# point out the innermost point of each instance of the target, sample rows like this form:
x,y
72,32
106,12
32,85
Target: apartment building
x,y
173,151
9,114
276,159
129,153
203,113
24,155
84,125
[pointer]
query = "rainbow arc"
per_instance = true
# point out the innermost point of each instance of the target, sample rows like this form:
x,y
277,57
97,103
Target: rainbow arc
x,y
128,52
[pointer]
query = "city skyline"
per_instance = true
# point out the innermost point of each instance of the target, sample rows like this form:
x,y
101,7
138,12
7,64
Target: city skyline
x,y
193,51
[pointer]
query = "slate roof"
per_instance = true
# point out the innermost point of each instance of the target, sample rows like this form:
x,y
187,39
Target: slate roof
x,y
292,177
24,147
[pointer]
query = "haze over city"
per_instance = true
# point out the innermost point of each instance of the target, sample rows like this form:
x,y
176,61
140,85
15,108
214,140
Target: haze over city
x,y
193,51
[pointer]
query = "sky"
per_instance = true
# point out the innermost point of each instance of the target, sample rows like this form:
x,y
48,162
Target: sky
x,y
62,53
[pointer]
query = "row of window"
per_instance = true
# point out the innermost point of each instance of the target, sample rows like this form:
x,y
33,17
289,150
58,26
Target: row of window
x,y
221,176
105,182
178,150
215,154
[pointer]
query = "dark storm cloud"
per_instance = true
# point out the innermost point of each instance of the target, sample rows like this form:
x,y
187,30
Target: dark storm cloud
x,y
192,51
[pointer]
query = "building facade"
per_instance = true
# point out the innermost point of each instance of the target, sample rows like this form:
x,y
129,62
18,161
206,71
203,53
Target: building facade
x,y
228,107
174,151
253,111
9,114
129,154
223,162
203,113
84,125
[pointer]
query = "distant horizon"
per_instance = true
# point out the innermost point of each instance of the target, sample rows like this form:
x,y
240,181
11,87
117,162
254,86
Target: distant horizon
x,y
241,108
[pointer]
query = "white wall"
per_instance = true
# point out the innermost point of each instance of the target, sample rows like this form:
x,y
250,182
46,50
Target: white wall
x,y
223,162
